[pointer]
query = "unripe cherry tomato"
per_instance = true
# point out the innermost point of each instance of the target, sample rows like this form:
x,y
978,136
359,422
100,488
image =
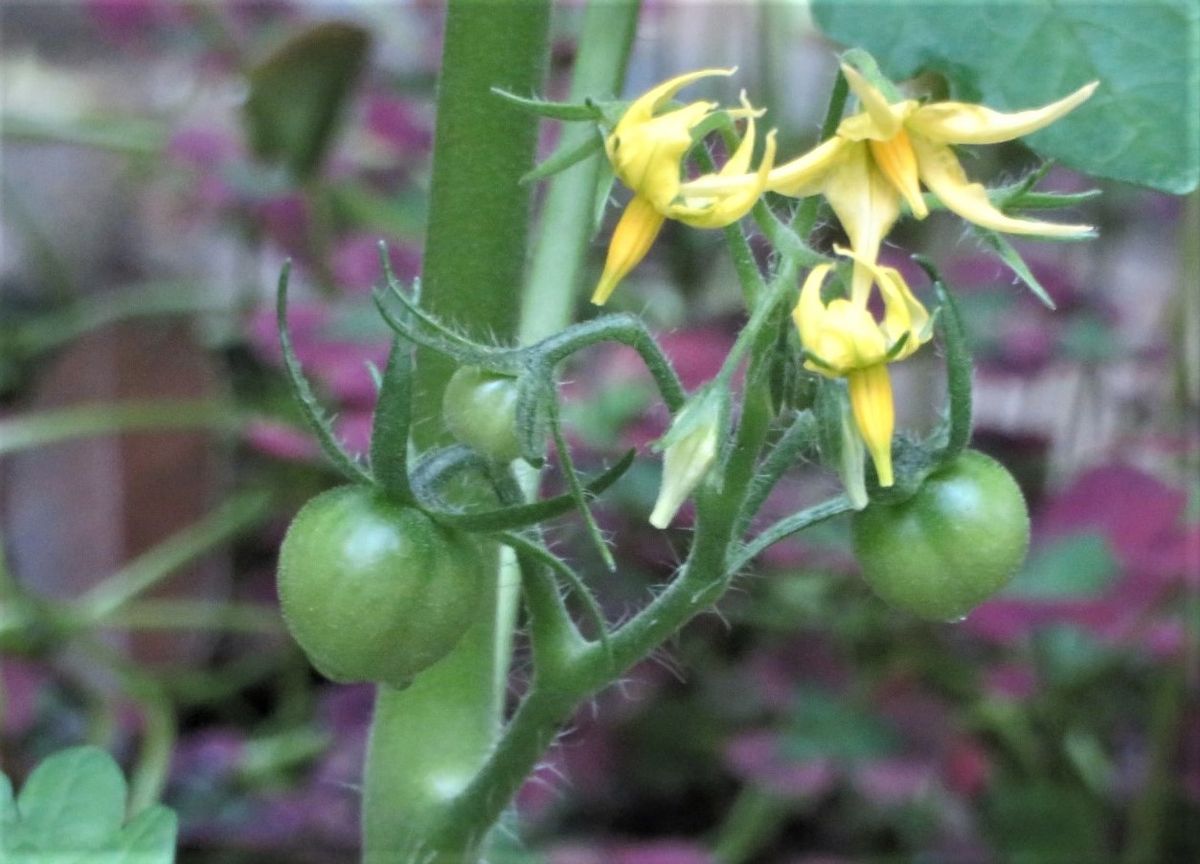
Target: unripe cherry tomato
x,y
480,410
950,546
374,590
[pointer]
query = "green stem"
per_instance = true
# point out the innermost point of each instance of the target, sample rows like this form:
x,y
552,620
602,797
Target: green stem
x,y
193,615
50,427
53,329
781,286
749,277
566,219
428,741
390,428
155,565
9,589
149,775
806,214
790,525
798,438
1145,833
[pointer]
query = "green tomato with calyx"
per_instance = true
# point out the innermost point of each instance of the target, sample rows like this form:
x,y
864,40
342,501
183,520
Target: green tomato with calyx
x,y
949,547
374,590
480,410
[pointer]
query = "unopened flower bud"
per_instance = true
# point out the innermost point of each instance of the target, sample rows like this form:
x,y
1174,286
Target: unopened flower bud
x,y
689,451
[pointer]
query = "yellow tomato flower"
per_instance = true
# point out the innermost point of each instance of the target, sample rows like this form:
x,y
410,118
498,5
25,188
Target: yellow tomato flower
x,y
884,153
647,149
842,339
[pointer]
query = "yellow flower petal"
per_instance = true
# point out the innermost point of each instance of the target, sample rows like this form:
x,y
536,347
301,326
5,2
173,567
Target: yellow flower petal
x,y
941,172
963,123
875,415
885,118
841,335
726,209
739,162
862,126
904,316
631,240
646,156
642,109
867,205
806,175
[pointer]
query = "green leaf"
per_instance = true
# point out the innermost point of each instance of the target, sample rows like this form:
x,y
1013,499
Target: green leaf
x,y
1142,125
148,839
321,426
73,800
1080,565
297,95
71,811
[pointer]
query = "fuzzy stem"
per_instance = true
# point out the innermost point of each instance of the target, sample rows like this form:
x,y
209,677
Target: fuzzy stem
x,y
428,741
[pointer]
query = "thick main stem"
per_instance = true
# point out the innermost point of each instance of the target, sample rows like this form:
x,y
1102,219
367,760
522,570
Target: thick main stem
x,y
429,740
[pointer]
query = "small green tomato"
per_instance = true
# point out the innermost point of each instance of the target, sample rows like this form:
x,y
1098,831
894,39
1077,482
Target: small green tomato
x,y
950,546
480,410
373,590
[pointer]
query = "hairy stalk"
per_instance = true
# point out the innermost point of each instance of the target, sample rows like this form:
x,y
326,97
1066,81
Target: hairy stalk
x,y
428,741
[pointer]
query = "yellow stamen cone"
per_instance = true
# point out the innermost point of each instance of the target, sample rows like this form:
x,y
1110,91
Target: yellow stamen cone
x,y
875,415
897,162
631,240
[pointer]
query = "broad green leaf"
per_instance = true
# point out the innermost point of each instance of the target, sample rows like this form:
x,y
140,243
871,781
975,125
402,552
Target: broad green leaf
x,y
297,95
71,811
1142,125
73,800
1080,565
149,838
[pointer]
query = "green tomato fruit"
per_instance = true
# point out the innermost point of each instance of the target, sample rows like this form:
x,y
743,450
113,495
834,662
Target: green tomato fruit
x,y
480,410
950,546
373,590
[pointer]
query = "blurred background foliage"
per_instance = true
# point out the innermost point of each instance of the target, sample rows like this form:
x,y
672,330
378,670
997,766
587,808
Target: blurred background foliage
x,y
162,159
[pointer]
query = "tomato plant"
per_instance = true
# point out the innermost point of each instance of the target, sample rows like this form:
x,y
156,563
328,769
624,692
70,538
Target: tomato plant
x,y
949,547
480,410
374,590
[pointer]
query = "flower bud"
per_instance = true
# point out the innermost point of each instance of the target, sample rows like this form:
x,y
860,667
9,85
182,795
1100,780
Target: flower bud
x,y
689,450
